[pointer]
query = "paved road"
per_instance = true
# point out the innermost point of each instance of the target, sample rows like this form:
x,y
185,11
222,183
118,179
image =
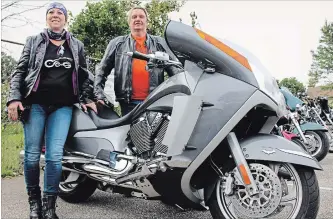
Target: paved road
x,y
105,205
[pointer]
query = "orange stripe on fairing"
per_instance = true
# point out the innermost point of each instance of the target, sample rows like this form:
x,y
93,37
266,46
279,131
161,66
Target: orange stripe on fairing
x,y
229,51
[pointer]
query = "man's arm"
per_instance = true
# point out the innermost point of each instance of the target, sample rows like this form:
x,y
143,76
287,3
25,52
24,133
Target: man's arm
x,y
103,69
86,93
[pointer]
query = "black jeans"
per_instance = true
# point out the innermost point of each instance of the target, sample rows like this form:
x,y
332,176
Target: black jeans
x,y
128,107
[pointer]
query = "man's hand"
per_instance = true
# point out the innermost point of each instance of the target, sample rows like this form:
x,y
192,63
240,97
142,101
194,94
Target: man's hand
x,y
12,110
91,105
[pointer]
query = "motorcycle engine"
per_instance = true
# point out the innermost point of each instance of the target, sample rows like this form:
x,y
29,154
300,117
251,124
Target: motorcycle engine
x,y
147,133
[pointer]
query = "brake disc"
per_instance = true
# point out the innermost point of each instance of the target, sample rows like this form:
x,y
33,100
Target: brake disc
x,y
268,198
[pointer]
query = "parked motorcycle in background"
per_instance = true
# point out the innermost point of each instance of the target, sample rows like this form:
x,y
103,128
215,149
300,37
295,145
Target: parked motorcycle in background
x,y
317,110
326,115
313,134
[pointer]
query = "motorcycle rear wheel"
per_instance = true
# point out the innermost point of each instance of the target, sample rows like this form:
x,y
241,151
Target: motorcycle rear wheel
x,y
76,192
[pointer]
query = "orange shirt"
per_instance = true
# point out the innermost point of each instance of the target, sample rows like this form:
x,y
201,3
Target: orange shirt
x,y
140,77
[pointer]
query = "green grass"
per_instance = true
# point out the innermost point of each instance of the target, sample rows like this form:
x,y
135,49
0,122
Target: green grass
x,y
11,145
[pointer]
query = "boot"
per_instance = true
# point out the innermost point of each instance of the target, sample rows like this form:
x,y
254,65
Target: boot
x,y
35,203
49,206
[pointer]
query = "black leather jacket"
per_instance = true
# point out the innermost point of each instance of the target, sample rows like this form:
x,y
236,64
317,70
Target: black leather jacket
x,y
114,59
25,77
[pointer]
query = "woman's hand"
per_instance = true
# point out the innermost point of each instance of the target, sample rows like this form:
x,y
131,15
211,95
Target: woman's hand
x,y
12,109
91,105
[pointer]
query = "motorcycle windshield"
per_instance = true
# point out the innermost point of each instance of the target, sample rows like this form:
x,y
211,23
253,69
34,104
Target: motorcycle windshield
x,y
291,100
189,43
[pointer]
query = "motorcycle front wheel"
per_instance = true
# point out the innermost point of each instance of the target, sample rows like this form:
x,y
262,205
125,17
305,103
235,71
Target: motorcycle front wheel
x,y
281,195
318,145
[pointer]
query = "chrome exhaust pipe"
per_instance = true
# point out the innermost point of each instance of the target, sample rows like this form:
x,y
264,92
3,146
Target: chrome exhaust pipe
x,y
92,168
103,170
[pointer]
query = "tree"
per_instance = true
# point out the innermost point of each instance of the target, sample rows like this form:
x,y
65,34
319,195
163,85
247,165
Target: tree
x,y
293,85
99,22
194,18
14,11
8,65
322,58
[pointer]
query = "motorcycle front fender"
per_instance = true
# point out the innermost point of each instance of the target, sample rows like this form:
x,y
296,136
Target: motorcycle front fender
x,y
267,147
310,126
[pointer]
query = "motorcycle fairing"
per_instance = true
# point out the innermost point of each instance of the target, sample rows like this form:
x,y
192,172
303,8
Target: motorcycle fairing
x,y
185,113
255,99
204,52
115,136
291,100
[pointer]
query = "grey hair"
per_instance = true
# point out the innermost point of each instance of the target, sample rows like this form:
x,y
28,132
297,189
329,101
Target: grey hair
x,y
129,14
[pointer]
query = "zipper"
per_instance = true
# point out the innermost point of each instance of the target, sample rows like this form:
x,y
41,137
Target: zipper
x,y
35,85
75,73
129,76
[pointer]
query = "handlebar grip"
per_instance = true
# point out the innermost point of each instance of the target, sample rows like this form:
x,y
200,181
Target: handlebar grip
x,y
141,56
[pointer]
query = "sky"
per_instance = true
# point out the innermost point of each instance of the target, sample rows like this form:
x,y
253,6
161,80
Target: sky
x,y
279,33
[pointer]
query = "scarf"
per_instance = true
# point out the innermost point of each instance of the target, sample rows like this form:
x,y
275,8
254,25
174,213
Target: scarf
x,y
57,36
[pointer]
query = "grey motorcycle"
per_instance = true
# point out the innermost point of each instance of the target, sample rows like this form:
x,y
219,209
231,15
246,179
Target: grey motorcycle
x,y
200,140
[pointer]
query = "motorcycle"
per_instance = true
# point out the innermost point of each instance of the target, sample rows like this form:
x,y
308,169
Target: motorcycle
x,y
313,135
318,111
199,140
279,130
326,115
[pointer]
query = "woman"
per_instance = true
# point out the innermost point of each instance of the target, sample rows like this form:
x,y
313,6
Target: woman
x,y
49,78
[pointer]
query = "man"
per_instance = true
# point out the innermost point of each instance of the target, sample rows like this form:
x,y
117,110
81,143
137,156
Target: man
x,y
132,82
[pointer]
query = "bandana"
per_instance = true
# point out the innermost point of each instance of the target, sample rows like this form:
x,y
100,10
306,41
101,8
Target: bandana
x,y
58,6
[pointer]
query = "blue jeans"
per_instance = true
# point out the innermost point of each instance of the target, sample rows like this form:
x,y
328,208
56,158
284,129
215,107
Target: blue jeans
x,y
55,124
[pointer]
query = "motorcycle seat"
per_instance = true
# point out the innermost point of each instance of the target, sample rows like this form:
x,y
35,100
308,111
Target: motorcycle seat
x,y
112,120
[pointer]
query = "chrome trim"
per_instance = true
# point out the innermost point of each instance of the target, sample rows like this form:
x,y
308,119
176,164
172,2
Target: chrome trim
x,y
296,153
81,154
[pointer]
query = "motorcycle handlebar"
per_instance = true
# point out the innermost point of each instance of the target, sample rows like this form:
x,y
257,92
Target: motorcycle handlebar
x,y
139,55
147,57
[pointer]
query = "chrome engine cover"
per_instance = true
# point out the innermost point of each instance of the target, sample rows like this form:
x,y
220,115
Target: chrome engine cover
x,y
148,131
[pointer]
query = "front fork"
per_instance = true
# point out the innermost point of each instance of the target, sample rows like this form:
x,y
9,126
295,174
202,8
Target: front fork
x,y
298,127
320,119
241,163
328,118
324,123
